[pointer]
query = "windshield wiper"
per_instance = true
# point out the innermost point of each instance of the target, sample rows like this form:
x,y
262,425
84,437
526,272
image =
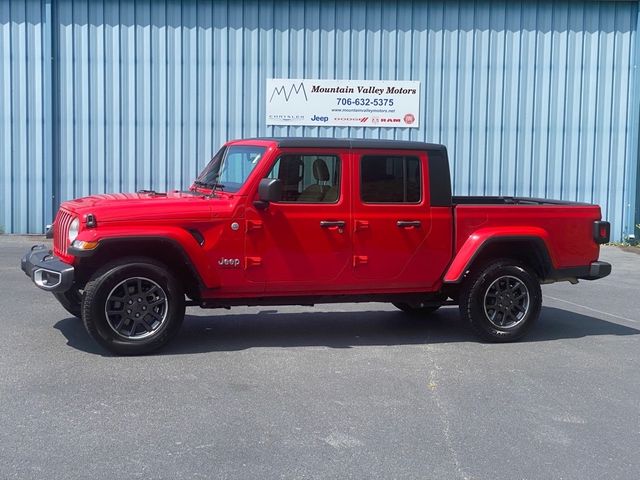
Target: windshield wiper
x,y
203,184
213,185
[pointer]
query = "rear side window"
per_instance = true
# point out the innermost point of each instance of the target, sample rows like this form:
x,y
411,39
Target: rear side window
x,y
390,179
308,178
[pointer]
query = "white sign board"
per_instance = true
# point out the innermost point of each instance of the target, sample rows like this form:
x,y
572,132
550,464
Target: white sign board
x,y
343,103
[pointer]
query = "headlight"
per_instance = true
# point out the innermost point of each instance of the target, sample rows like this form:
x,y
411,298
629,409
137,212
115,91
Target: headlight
x,y
74,229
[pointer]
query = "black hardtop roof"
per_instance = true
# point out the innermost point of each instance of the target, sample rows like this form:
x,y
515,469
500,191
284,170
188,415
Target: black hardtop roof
x,y
323,142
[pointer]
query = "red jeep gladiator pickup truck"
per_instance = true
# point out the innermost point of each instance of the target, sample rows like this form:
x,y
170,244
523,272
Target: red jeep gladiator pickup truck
x,y
302,221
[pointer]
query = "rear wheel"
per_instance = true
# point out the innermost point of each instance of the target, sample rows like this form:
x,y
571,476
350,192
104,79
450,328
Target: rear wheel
x,y
71,300
501,301
134,307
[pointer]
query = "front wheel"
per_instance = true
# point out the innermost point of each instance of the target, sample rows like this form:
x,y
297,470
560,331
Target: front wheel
x,y
134,307
501,301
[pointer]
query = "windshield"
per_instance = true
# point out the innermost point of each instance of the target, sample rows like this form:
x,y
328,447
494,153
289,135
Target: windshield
x,y
230,167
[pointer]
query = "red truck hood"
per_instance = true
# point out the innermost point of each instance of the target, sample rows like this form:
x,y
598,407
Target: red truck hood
x,y
135,207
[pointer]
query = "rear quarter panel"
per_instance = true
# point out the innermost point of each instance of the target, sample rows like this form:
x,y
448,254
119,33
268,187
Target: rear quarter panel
x,y
565,229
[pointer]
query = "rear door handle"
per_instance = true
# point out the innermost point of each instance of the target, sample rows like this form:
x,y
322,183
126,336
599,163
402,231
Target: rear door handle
x,y
409,223
332,223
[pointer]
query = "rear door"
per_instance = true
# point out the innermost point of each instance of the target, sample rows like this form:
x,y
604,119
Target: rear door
x,y
392,222
303,242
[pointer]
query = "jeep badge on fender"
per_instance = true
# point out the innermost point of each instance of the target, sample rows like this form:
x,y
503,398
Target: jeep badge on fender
x,y
313,220
229,262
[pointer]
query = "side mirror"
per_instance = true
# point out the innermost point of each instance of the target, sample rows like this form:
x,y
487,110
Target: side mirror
x,y
269,190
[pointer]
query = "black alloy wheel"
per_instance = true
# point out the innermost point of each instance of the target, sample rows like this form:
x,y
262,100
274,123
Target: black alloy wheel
x,y
133,306
501,300
506,302
136,308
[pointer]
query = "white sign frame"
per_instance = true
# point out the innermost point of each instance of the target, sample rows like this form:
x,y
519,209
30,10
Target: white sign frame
x,y
343,103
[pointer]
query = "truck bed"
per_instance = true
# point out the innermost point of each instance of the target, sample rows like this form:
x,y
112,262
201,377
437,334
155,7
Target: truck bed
x,y
565,227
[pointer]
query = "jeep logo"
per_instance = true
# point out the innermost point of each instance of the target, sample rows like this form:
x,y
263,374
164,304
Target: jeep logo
x,y
229,262
316,118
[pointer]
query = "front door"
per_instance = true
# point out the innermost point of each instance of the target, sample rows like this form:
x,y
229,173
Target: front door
x,y
303,242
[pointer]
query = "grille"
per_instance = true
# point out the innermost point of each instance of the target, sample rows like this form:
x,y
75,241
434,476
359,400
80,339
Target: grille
x,y
61,232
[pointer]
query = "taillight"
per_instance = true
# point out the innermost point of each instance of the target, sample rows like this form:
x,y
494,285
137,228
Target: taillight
x,y
601,231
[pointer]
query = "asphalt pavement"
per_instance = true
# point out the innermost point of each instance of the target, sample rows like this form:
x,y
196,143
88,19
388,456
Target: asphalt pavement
x,y
337,391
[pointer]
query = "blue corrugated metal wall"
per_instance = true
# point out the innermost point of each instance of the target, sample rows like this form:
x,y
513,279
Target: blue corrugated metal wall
x,y
532,98
26,163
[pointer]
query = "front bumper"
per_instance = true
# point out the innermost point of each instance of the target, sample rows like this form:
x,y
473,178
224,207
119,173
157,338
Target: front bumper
x,y
46,270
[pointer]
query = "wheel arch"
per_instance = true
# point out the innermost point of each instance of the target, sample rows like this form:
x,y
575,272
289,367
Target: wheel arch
x,y
164,250
530,250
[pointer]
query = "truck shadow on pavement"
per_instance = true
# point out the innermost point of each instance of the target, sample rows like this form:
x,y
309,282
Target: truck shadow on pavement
x,y
267,328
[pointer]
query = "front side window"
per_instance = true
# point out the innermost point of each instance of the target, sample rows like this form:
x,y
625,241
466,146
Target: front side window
x,y
390,179
308,178
230,167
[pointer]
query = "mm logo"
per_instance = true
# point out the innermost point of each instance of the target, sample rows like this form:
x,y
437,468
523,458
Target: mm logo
x,y
293,89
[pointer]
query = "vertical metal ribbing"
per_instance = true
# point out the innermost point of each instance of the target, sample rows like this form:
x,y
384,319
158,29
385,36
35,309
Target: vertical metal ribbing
x,y
633,204
552,131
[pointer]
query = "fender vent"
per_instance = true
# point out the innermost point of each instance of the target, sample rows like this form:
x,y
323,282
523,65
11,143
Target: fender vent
x,y
197,236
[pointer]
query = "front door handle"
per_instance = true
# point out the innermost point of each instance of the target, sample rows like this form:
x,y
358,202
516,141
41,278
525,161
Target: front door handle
x,y
409,223
332,224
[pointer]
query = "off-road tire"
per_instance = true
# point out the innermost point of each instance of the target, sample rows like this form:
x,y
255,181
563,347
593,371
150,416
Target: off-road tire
x,y
478,300
104,283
